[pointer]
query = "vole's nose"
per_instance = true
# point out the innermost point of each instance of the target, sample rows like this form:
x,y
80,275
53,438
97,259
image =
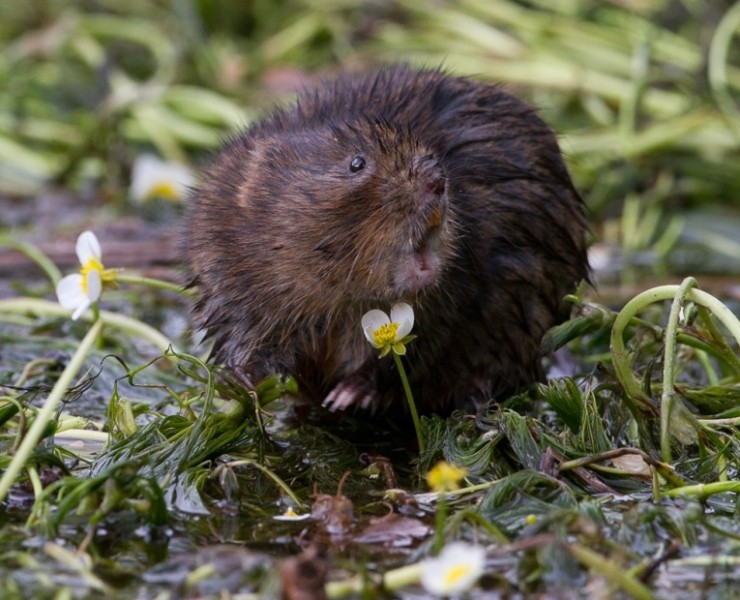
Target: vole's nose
x,y
436,185
430,175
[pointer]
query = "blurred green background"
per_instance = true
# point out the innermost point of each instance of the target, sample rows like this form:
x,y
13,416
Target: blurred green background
x,y
644,95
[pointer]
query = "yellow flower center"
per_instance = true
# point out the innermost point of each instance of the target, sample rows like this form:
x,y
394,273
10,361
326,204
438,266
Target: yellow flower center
x,y
92,264
385,334
164,189
456,573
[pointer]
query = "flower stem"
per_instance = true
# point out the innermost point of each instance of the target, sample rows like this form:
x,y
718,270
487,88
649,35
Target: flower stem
x,y
669,364
634,392
440,519
44,416
704,490
393,580
38,307
410,399
610,570
280,483
158,284
32,252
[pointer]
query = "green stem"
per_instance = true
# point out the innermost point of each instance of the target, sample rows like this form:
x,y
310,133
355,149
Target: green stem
x,y
280,483
708,561
622,367
439,524
139,329
611,571
158,284
391,581
669,367
711,423
87,435
703,359
663,469
703,490
718,346
32,252
44,416
628,114
47,308
717,61
429,497
33,476
410,399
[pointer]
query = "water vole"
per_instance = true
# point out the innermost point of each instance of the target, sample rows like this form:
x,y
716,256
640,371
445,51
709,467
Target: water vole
x,y
397,185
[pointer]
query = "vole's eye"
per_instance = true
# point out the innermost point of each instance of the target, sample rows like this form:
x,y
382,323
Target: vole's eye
x,y
357,164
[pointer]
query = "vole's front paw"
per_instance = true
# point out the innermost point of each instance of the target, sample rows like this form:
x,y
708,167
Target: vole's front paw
x,y
353,392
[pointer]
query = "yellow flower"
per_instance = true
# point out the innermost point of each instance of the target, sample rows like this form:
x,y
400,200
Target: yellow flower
x,y
79,291
455,570
154,178
389,333
445,477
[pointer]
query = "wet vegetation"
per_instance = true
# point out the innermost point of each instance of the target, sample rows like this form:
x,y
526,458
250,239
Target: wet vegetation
x,y
132,468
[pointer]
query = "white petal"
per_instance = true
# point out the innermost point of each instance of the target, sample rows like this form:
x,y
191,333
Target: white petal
x,y
94,285
81,309
371,321
440,575
143,173
149,172
293,517
403,314
87,247
182,176
70,293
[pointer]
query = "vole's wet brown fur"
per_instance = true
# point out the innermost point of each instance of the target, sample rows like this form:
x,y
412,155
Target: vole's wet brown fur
x,y
398,185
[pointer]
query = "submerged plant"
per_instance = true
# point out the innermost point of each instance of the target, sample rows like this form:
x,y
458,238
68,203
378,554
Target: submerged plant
x,y
538,465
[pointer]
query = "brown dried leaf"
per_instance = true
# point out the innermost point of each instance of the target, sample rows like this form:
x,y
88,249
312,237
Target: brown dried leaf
x,y
632,464
304,576
393,530
333,514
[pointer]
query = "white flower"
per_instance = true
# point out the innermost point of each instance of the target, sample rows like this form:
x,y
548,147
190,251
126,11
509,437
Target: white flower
x,y
291,515
389,333
155,178
455,570
80,290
